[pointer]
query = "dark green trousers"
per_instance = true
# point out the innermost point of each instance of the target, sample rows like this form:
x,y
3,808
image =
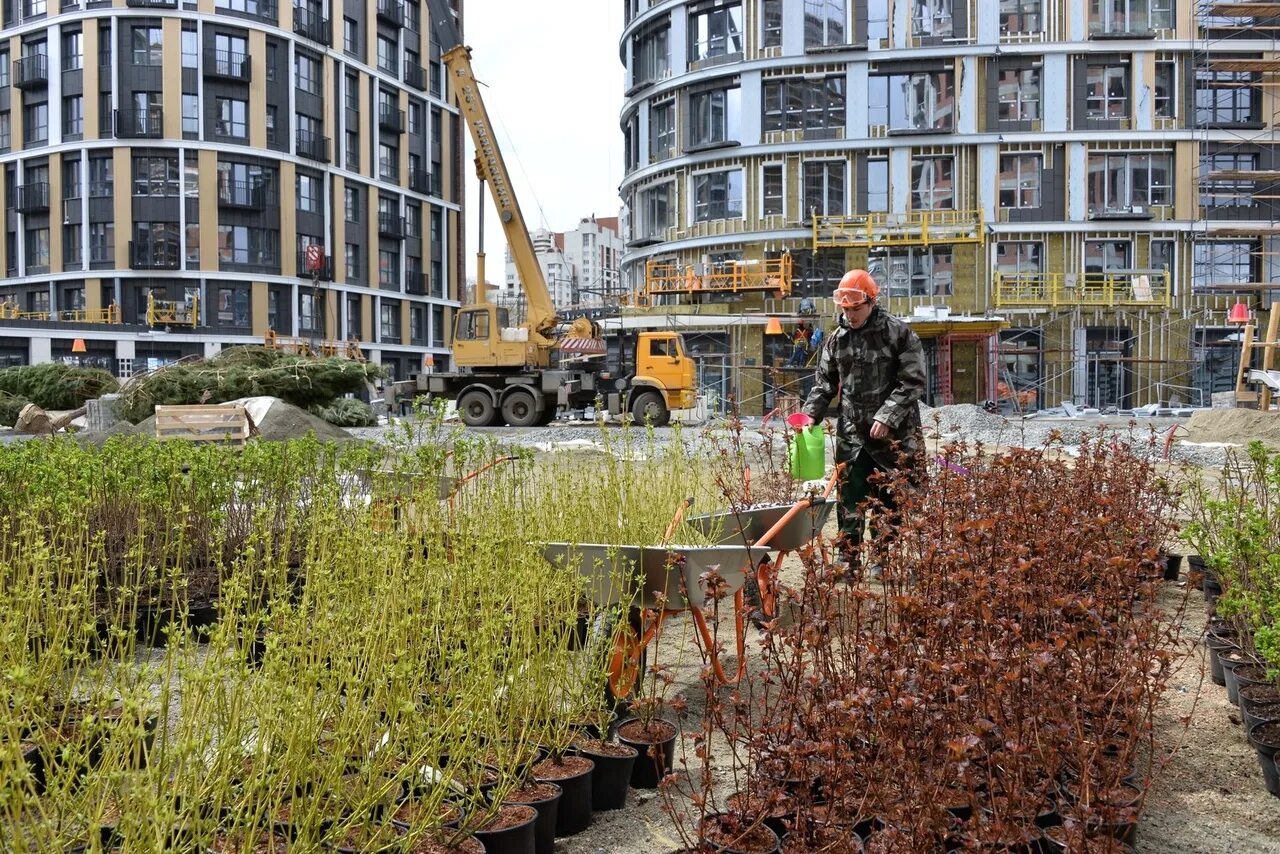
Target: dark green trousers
x,y
856,486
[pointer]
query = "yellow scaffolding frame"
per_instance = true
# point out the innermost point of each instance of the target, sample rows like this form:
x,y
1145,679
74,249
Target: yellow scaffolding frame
x,y
110,314
173,313
731,277
913,228
1066,290
349,349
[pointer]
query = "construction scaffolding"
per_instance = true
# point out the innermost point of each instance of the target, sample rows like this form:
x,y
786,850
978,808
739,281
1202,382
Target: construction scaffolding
x,y
730,277
110,314
911,228
349,349
173,313
1109,290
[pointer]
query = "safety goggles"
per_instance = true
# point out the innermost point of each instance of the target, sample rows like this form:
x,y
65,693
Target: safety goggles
x,y
850,298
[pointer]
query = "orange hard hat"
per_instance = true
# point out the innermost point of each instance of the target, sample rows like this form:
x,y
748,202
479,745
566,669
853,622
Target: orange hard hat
x,y
854,288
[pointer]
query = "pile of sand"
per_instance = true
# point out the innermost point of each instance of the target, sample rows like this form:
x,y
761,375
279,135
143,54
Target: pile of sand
x,y
1238,426
275,419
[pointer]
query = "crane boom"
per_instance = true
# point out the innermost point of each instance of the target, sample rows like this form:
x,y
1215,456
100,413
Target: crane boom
x,y
541,318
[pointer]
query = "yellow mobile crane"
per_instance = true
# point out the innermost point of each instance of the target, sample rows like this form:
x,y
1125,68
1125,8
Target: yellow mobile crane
x,y
504,372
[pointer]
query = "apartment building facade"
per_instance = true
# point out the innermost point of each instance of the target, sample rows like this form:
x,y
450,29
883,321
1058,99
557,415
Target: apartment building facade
x,y
180,177
581,267
1098,175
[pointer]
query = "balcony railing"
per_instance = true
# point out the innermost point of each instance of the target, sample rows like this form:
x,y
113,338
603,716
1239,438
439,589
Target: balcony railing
x,y
1105,290
32,198
313,145
415,75
391,119
392,12
140,124
231,65
912,228
162,254
415,281
110,314
390,225
311,25
31,72
249,195
420,180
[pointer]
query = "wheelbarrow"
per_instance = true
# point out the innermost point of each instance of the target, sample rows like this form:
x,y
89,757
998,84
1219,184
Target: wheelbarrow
x,y
399,488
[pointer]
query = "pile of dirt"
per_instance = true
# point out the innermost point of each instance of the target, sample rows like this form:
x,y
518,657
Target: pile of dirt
x,y
1238,426
276,421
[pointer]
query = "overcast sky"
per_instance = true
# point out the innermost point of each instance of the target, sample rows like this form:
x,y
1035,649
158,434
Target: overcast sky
x,y
552,82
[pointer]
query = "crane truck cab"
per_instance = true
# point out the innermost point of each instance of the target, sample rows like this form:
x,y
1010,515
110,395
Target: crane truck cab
x,y
664,378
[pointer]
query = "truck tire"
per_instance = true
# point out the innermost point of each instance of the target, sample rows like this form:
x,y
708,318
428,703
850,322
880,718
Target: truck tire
x,y
649,407
476,408
520,409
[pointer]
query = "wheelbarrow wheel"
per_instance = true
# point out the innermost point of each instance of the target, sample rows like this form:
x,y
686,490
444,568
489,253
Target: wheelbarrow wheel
x,y
627,660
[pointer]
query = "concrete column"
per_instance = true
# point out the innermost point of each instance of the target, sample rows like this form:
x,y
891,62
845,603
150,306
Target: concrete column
x,y
900,179
968,91
1077,182
41,350
856,99
989,180
1055,89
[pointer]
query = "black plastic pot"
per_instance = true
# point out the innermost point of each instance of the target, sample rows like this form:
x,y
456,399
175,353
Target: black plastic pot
x,y
1195,563
707,845
656,757
1231,659
851,844
1251,716
1266,747
1172,566
1249,675
1216,646
544,828
574,813
611,778
512,840
1211,589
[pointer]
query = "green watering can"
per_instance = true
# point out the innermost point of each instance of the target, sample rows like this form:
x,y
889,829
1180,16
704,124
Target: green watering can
x,y
808,452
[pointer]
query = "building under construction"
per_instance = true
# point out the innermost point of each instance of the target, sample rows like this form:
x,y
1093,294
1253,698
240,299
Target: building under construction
x,y
1070,200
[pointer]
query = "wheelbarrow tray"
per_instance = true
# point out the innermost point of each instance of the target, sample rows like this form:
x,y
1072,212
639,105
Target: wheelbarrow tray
x,y
403,483
748,526
638,574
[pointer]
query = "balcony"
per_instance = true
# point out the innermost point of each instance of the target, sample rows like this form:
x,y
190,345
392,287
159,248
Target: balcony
x,y
155,254
391,12
324,274
110,314
229,65
32,198
1099,290
391,225
152,4
420,181
391,119
313,146
310,24
415,75
912,228
31,72
415,281
140,124
245,195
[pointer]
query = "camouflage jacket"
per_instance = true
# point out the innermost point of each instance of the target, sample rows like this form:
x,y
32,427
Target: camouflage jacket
x,y
879,371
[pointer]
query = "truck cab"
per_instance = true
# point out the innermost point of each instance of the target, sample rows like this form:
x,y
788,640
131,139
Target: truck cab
x,y
664,378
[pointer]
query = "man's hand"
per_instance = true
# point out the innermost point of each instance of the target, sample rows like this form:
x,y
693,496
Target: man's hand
x,y
879,430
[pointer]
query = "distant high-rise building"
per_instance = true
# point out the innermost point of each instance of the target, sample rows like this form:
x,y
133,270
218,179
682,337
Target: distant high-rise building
x,y
580,266
185,176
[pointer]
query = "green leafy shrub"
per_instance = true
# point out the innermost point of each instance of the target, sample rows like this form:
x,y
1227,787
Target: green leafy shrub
x,y
347,412
56,386
10,406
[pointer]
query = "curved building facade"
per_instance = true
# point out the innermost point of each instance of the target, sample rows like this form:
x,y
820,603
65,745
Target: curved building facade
x,y
182,176
1099,175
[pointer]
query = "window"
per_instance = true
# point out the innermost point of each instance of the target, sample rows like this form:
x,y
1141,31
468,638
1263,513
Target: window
x,y
35,123
877,185
388,163
1162,258
71,173
386,55
651,56
240,244
1166,96
772,190
1107,256
717,195
1129,183
4,67
273,309
306,72
418,324
72,250
229,53
416,114
824,23
715,32
1020,16
155,176
72,51
273,59
352,81
308,193
37,248
1226,97
352,196
272,112
921,101
413,16
1020,180
932,185
654,212
102,242
190,49
147,45
263,8
412,221
913,271
824,182
233,306
390,322
388,268
353,317
1020,258
771,34
242,183
804,104
190,114
1222,262
1107,91
38,301
1129,17
73,116
1218,192
351,36
714,117
5,130
1018,94
931,19
230,118
101,184
355,273
353,150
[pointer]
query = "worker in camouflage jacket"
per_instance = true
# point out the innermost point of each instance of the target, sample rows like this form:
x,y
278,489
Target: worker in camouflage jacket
x,y
876,363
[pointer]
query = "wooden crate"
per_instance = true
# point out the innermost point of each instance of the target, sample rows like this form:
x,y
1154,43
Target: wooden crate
x,y
228,424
